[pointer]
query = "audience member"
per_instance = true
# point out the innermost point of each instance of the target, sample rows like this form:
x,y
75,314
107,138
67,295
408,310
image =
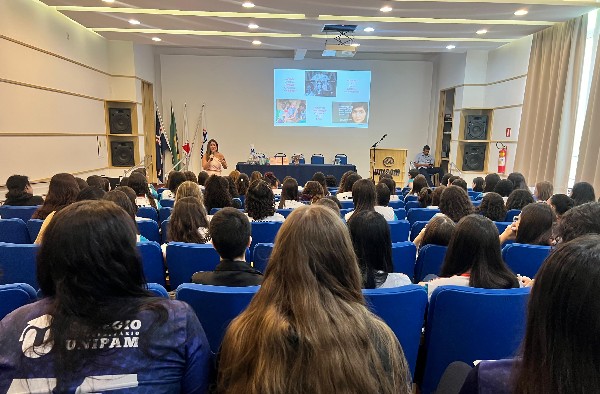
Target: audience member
x,y
175,179
255,176
504,187
455,203
518,181
342,187
492,207
425,197
518,198
364,197
235,197
122,200
189,189
412,174
20,192
130,194
490,182
62,192
418,183
436,196
533,226
188,222
452,179
320,177
582,193
460,183
216,193
90,193
312,192
96,181
83,184
144,198
242,184
346,192
230,232
153,192
438,231
95,297
560,204
190,176
331,202
391,184
382,195
260,203
478,183
543,191
445,178
289,195
312,296
202,178
578,221
122,182
235,174
330,181
272,180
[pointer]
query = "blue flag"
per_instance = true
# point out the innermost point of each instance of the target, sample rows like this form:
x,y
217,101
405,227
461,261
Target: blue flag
x,y
162,145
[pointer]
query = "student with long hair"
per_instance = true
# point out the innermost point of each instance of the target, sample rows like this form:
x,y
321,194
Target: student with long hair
x,y
98,328
122,200
342,187
455,203
320,177
346,192
364,197
175,179
256,175
560,349
139,184
189,189
478,183
391,184
582,193
543,191
518,198
425,197
372,242
438,231
242,183
236,202
418,183
188,222
504,187
492,207
312,192
490,181
436,196
289,195
216,193
20,192
331,202
533,226
560,204
260,203
319,336
518,181
473,258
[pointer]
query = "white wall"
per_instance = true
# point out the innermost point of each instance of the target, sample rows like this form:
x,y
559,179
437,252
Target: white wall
x,y
238,93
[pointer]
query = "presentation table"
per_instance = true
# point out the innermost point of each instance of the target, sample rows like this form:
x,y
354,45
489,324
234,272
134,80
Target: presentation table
x,y
301,172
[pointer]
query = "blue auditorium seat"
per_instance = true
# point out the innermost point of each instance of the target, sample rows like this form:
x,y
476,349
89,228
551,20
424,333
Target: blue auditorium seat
x,y
399,230
420,214
400,213
17,212
14,231
416,228
525,259
429,261
412,205
158,290
285,212
18,263
167,202
343,158
33,228
148,213
149,229
14,296
396,204
511,214
347,204
153,262
403,257
164,214
260,257
264,232
184,259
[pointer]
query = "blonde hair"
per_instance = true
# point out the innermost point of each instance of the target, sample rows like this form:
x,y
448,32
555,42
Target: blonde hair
x,y
307,329
235,174
189,189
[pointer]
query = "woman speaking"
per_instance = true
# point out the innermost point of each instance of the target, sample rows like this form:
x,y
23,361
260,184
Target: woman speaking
x,y
214,161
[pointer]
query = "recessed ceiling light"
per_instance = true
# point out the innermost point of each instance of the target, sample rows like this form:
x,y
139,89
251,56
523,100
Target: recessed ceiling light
x,y
451,47
385,8
482,31
253,26
134,22
156,39
256,42
369,29
355,44
247,4
521,12
108,1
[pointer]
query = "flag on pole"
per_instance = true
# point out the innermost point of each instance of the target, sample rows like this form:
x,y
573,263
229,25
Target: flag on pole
x,y
186,137
173,141
162,145
204,131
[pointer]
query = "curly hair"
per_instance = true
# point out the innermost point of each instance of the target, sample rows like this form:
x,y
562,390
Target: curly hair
x,y
313,192
271,179
242,183
578,221
436,195
490,182
260,201
343,181
518,198
320,177
455,203
504,187
216,193
492,207
425,197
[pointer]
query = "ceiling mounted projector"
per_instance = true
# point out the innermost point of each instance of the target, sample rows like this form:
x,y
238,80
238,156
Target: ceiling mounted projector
x,y
343,43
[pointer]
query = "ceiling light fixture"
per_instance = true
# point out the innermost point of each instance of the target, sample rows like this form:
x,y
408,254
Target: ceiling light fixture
x,y
108,1
253,26
134,22
385,8
450,47
256,42
247,4
521,12
355,44
156,39
482,31
369,29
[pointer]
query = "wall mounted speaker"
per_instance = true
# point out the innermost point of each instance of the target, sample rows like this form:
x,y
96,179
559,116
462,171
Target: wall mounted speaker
x,y
122,153
474,157
476,127
119,120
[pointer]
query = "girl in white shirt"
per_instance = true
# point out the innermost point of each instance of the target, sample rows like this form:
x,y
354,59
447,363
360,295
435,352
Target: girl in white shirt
x,y
364,195
260,203
289,195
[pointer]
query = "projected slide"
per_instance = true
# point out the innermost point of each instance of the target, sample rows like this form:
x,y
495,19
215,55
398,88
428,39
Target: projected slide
x,y
322,98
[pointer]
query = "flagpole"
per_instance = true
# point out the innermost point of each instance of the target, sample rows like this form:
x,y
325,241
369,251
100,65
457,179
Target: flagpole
x,y
198,125
162,127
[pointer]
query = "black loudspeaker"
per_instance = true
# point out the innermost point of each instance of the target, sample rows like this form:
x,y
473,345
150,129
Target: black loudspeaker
x,y
119,120
474,157
476,127
122,153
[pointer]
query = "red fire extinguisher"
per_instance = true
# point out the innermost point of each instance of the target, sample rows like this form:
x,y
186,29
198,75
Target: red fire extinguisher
x,y
501,158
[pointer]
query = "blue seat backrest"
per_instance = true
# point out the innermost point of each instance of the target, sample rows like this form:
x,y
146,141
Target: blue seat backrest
x,y
400,213
160,190
511,214
164,231
149,229
405,191
148,213
284,212
167,202
429,261
158,290
184,259
261,255
18,263
216,306
164,213
264,232
468,324
525,259
14,231
14,296
420,214
473,195
345,211
403,257
476,203
343,158
501,226
412,205
396,204
347,204
410,197
399,230
18,212
416,228
214,210
33,228
317,159
153,262
403,310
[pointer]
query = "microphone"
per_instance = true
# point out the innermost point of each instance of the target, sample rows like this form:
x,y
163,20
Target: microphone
x,y
385,135
377,143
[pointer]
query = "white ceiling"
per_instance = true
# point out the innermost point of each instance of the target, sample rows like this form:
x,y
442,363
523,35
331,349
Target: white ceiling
x,y
223,24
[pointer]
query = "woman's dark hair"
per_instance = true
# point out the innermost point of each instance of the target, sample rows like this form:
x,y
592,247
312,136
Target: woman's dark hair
x,y
90,193
16,185
419,183
560,349
260,201
232,189
504,187
475,248
412,173
390,183
460,183
97,181
176,178
83,184
437,195
492,207
518,180
271,179
123,182
363,195
438,231
372,243
289,191
139,184
490,182
188,216
216,193
452,179
425,197
561,203
122,200
578,221
518,198
543,190
141,170
350,180
478,183
320,177
211,141
203,177
455,203
330,181
230,232
62,191
190,176
130,194
342,186
255,176
535,224
330,202
90,268
445,178
242,184
383,194
582,193
312,192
